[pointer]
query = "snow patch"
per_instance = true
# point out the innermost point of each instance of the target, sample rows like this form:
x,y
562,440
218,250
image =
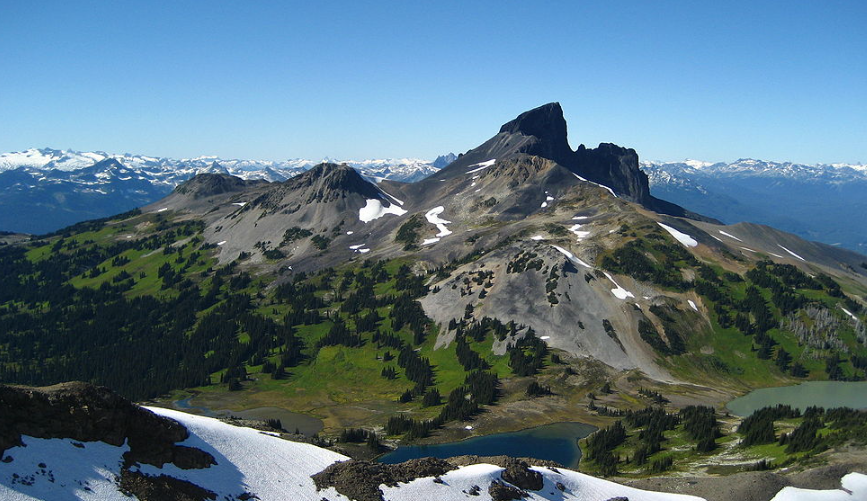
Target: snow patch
x,y
679,236
619,292
571,256
748,249
692,304
239,204
399,202
544,204
576,229
597,184
375,210
790,252
482,165
580,218
163,209
358,246
545,337
222,243
537,237
849,313
433,217
350,232
721,232
428,241
854,486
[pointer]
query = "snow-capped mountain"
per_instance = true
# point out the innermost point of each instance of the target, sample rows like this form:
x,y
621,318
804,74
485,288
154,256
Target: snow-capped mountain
x,y
42,190
749,167
47,159
813,201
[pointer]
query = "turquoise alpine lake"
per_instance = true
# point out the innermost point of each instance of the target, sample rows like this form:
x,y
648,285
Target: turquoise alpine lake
x,y
827,394
556,442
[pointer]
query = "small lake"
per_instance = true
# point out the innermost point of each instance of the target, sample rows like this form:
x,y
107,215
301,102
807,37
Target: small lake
x,y
826,394
291,421
556,442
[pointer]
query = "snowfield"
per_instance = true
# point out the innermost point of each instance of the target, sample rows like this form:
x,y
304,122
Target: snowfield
x,y
577,487
247,461
679,236
375,210
271,469
854,488
433,217
619,292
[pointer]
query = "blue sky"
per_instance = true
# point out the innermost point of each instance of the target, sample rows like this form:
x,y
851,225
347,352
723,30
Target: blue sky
x,y
781,80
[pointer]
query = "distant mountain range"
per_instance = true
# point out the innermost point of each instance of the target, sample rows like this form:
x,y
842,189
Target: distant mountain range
x,y
42,190
816,202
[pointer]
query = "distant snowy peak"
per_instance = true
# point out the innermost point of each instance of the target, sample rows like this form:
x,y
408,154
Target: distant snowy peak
x,y
664,172
171,170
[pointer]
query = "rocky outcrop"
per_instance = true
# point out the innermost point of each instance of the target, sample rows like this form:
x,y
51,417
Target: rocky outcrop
x,y
542,132
519,474
505,492
207,185
162,488
360,480
547,125
88,413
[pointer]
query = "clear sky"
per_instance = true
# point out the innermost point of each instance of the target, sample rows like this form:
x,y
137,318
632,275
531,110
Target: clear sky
x,y
776,80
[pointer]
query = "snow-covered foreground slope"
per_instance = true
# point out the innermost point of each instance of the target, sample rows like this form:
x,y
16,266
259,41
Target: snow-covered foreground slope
x,y
251,462
854,488
576,486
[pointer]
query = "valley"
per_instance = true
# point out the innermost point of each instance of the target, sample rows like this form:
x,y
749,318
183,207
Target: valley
x,y
526,284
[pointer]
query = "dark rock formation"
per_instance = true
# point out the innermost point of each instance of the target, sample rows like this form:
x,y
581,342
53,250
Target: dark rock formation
x,y
504,492
542,132
502,461
547,125
87,413
161,488
360,480
518,473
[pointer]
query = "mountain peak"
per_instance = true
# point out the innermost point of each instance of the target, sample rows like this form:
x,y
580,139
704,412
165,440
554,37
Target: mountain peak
x,y
327,179
546,121
547,124
208,184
